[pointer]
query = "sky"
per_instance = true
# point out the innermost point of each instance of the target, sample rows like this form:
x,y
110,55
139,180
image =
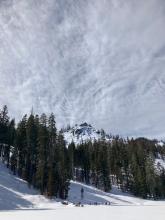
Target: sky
x,y
97,61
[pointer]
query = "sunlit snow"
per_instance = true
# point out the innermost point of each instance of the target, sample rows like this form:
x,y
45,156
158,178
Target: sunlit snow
x,y
18,202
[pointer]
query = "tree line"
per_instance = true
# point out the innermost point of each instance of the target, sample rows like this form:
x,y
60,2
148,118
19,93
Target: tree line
x,y
128,164
36,151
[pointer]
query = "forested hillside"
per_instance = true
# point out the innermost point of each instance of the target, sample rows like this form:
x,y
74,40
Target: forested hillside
x,y
37,152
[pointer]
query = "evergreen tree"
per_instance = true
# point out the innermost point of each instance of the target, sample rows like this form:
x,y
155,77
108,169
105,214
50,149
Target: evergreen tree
x,y
32,137
42,161
150,175
63,168
21,145
52,187
71,154
4,137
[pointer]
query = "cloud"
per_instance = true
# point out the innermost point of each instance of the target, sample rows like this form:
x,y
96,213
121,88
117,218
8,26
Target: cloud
x,y
96,61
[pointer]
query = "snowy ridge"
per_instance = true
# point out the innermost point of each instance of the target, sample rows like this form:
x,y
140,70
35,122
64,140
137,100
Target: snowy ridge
x,y
83,133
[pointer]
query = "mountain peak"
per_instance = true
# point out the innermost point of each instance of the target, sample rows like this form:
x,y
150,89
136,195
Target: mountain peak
x,y
83,133
85,124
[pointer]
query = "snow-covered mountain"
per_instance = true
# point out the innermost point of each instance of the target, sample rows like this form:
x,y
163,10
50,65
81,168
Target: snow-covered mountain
x,y
101,61
83,133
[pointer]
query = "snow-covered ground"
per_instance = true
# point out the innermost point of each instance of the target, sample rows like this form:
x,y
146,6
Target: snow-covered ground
x,y
159,164
17,201
92,213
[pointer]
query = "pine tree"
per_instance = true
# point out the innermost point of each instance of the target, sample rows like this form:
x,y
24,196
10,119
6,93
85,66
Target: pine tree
x,y
52,187
105,169
32,136
71,154
62,167
150,175
21,145
13,159
42,161
4,137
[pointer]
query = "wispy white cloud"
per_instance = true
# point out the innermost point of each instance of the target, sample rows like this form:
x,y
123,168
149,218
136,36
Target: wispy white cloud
x,y
99,61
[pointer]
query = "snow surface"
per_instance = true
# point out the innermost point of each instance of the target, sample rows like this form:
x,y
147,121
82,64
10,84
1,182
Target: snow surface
x,y
15,194
161,143
159,161
18,202
160,164
101,61
92,213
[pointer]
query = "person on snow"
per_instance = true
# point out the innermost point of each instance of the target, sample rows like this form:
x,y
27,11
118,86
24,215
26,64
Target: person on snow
x,y
82,193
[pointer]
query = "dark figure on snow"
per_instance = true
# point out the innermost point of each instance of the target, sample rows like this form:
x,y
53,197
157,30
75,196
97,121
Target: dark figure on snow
x,y
82,193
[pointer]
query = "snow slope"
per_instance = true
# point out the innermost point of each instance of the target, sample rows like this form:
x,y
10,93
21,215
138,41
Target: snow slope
x,y
160,163
15,194
96,61
18,202
115,197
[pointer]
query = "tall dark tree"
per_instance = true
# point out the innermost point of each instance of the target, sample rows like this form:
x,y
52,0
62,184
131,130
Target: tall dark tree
x,y
21,145
4,134
42,162
32,137
52,187
71,155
